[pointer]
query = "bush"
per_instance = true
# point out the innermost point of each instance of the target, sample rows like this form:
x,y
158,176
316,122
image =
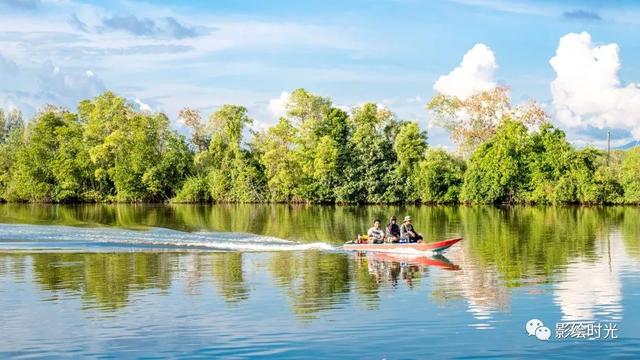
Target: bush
x,y
194,190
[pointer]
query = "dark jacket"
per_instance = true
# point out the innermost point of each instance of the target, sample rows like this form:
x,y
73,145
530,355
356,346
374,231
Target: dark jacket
x,y
393,230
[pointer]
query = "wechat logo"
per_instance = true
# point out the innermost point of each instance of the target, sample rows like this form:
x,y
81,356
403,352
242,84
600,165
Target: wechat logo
x,y
536,328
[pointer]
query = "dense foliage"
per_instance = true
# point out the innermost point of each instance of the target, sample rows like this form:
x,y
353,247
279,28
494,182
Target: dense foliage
x,y
317,152
106,152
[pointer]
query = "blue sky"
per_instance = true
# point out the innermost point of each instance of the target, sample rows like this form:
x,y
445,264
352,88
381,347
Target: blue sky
x,y
168,54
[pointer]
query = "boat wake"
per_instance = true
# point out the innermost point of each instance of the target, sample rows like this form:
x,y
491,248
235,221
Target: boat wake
x,y
40,237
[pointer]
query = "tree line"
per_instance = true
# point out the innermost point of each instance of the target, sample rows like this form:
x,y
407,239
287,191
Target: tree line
x,y
317,153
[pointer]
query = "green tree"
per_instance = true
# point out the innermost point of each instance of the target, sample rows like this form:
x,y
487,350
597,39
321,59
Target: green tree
x,y
2,126
165,177
105,120
590,180
370,171
630,178
410,145
550,161
40,173
320,138
11,142
498,170
136,155
276,149
71,166
439,177
235,175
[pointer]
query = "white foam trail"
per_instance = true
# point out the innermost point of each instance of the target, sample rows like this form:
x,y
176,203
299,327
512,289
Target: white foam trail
x,y
154,237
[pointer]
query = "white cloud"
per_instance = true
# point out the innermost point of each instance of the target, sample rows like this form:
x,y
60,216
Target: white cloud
x,y
66,86
29,88
278,107
587,90
475,73
142,106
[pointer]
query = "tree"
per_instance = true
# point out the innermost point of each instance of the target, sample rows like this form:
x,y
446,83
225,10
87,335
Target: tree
x,y
103,118
589,180
498,170
200,134
234,175
71,166
410,145
315,146
276,148
49,166
165,177
136,156
11,142
439,177
550,160
370,171
629,177
320,147
2,126
474,120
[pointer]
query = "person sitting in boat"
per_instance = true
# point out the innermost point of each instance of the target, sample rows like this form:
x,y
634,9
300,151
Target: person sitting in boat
x,y
393,230
408,233
375,235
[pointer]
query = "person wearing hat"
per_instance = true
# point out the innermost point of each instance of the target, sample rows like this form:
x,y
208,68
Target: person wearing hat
x,y
393,230
408,233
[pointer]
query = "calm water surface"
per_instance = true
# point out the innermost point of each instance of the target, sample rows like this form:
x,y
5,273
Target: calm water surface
x,y
129,281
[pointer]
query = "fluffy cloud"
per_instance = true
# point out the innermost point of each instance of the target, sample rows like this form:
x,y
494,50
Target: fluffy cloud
x,y
587,91
278,107
475,73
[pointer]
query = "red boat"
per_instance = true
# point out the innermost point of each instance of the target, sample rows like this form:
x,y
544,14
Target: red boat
x,y
402,247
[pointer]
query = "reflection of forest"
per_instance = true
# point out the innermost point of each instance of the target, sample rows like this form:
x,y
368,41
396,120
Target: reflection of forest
x,y
503,248
313,280
229,276
102,279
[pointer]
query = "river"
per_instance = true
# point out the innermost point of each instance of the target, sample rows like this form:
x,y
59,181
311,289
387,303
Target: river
x,y
237,281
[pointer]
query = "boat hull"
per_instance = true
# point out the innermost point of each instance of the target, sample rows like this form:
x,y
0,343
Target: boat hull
x,y
403,247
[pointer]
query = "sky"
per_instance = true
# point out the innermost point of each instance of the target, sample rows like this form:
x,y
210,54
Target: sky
x,y
576,58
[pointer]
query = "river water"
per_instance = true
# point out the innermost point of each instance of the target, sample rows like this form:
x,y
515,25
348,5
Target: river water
x,y
237,281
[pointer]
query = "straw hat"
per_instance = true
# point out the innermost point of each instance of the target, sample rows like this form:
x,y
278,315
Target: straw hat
x,y
407,218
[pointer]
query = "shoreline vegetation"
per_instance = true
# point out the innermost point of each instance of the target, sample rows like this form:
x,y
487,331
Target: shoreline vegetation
x,y
318,153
